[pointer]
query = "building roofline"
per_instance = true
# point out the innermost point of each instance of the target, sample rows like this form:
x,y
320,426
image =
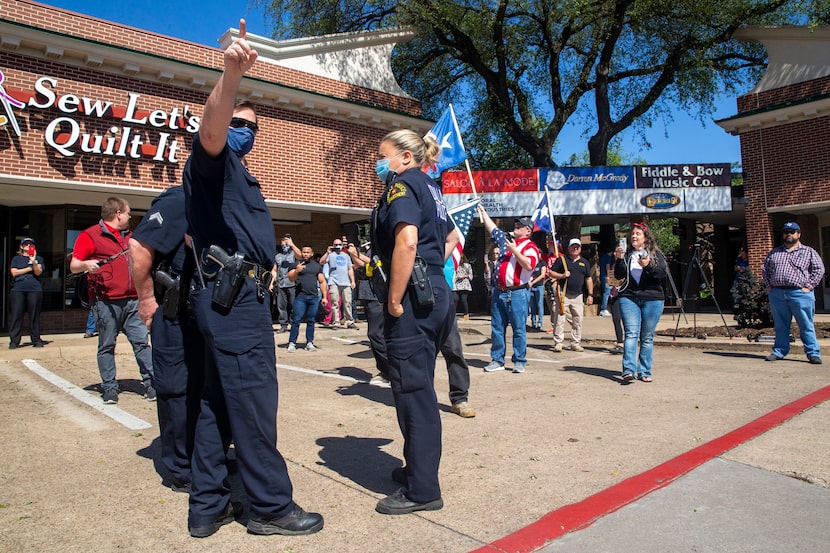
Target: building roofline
x,y
84,52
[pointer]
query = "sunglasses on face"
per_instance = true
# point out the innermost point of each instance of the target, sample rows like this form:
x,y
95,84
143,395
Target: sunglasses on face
x,y
790,231
238,123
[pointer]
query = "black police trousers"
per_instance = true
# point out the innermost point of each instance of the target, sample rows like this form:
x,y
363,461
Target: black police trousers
x,y
178,361
239,401
452,350
412,342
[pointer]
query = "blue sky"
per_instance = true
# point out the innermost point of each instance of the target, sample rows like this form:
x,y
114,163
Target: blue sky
x,y
204,21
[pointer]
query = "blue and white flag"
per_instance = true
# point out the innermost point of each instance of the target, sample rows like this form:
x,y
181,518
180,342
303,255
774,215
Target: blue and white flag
x,y
446,134
542,218
462,216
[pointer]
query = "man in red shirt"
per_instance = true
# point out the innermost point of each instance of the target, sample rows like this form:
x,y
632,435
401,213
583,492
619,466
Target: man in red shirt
x,y
512,291
100,252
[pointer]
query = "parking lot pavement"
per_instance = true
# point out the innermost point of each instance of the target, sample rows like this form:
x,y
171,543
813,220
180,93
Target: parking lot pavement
x,y
555,436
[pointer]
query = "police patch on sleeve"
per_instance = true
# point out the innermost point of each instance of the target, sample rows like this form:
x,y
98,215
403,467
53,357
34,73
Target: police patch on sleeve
x,y
397,190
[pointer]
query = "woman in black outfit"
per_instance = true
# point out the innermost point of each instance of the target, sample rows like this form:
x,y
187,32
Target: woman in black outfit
x,y
27,293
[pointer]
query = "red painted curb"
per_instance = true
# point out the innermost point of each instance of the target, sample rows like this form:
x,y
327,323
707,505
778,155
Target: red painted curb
x,y
581,515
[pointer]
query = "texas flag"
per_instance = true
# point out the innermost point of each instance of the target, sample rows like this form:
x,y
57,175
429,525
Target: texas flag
x,y
446,134
542,218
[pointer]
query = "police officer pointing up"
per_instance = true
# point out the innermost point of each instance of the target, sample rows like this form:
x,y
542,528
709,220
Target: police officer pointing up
x,y
233,238
413,236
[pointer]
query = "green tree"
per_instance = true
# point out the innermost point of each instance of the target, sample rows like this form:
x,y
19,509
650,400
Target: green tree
x,y
663,230
523,69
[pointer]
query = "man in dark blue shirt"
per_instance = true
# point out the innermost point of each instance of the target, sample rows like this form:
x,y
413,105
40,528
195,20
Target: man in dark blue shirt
x,y
157,247
226,211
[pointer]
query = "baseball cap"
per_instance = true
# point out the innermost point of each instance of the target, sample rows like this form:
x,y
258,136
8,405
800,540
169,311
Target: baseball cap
x,y
26,240
574,241
791,226
525,222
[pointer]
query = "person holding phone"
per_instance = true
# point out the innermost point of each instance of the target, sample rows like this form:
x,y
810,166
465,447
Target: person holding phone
x,y
643,271
307,274
27,293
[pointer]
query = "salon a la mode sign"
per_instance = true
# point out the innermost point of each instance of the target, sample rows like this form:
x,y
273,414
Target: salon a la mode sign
x,y
128,135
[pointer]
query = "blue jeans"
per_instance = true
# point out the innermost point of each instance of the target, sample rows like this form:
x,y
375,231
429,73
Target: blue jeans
x,y
305,308
537,305
640,320
786,304
121,315
90,322
509,308
606,293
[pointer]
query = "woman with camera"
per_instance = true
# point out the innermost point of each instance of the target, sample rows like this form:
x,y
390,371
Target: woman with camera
x,y
643,272
27,293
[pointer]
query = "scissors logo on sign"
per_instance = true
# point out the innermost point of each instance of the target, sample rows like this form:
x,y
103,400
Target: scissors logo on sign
x,y
8,102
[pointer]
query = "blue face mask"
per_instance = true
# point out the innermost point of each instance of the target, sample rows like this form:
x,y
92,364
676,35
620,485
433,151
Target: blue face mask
x,y
240,141
383,170
385,174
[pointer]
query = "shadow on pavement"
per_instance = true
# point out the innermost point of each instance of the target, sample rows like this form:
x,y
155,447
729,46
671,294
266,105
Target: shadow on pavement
x,y
736,354
131,385
367,391
612,375
360,460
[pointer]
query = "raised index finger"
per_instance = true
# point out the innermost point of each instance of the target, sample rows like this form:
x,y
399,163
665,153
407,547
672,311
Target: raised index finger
x,y
243,32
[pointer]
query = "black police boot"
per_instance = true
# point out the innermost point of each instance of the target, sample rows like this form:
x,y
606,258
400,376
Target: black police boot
x,y
232,511
296,523
399,504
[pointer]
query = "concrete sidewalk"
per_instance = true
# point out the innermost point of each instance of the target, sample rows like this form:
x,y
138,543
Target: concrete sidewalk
x,y
543,442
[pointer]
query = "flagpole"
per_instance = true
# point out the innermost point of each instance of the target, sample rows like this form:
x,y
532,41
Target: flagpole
x,y
558,290
552,222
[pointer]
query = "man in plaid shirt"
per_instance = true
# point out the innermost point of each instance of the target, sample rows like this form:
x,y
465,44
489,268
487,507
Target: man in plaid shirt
x,y
791,272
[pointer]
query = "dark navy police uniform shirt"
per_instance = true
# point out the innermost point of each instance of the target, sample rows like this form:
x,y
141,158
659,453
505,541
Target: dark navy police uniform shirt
x,y
225,206
163,227
413,198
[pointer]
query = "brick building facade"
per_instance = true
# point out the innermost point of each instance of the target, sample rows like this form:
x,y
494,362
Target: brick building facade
x,y
784,127
110,110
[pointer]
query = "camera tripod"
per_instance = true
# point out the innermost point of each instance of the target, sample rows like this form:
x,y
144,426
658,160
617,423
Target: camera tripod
x,y
695,262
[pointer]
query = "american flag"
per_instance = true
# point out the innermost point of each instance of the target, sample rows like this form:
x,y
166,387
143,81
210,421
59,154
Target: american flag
x,y
462,216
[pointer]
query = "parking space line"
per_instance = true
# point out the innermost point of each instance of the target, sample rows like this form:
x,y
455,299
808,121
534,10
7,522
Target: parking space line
x,y
118,415
320,373
579,516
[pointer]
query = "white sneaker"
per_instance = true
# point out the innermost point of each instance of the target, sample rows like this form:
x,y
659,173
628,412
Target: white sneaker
x,y
604,313
291,347
310,347
335,325
493,366
379,380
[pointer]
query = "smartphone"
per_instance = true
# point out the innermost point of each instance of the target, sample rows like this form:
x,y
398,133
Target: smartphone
x,y
624,243
31,250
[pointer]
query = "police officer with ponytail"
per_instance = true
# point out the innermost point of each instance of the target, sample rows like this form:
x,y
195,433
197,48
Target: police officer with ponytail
x,y
413,235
